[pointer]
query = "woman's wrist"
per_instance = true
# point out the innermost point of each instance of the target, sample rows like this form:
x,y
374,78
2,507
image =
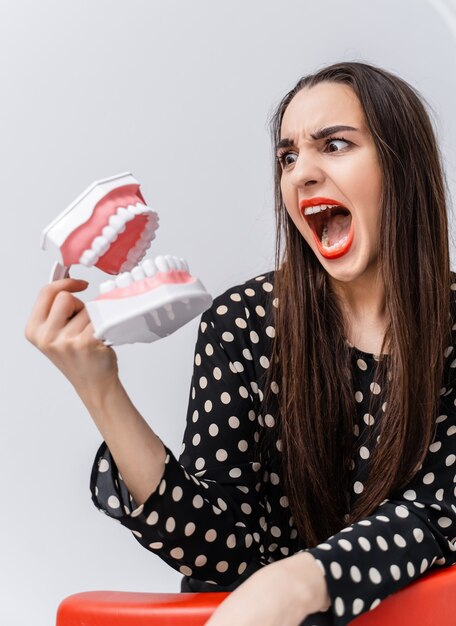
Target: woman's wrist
x,y
310,586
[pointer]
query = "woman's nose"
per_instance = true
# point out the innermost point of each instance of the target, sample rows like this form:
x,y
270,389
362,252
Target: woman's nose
x,y
306,172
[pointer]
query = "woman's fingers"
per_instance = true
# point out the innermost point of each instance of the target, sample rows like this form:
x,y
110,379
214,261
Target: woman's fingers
x,y
46,299
77,323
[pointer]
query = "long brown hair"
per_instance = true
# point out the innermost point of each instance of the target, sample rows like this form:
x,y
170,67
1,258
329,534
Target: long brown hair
x,y
311,358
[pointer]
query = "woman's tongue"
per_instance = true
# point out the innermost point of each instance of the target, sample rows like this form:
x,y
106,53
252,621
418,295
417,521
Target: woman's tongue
x,y
335,229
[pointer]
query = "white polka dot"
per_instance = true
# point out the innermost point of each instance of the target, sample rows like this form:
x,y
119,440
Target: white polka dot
x,y
103,465
209,350
451,458
260,311
395,572
369,419
242,567
243,445
196,439
200,463
195,416
270,331
203,382
227,336
221,566
428,478
410,494
208,406
345,545
358,606
247,354
418,534
177,494
375,575
254,337
410,569
324,546
217,373
355,574
339,606
444,522
225,398
399,541
211,535
364,543
198,502
375,388
235,297
375,603
439,494
156,545
358,487
264,362
170,524
221,455
213,430
269,420
186,571
382,544
235,472
197,359
240,322
177,553
435,447
222,309
361,363
424,566
231,541
243,392
401,511
364,452
200,560
189,529
358,396
336,570
246,508
234,422
113,502
152,518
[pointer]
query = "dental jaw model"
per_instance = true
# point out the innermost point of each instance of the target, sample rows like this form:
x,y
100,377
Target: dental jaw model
x,y
110,226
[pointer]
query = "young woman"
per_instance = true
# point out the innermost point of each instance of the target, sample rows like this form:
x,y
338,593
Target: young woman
x,y
318,469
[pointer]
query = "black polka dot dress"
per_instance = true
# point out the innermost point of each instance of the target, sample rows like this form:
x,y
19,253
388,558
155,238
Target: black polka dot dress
x,y
220,512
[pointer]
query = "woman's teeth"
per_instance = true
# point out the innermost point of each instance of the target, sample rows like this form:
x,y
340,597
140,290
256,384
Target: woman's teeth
x,y
326,243
146,269
116,226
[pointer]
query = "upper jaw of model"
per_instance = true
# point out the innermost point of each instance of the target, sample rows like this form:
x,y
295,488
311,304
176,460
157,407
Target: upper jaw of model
x,y
110,226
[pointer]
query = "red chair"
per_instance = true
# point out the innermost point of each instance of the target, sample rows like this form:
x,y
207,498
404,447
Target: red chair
x,y
430,601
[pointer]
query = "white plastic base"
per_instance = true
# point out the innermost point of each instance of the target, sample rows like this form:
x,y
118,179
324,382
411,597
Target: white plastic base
x,y
150,316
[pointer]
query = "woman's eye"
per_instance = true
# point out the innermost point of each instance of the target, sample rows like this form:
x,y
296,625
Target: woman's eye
x,y
336,145
287,158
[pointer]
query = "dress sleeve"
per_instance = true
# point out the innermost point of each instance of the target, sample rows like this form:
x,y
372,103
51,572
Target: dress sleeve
x,y
203,519
411,532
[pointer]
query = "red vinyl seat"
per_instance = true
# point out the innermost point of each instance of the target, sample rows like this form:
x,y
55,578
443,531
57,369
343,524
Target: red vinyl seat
x,y
429,601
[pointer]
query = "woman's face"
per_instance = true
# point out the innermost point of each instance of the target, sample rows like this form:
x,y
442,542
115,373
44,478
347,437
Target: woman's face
x,y
325,167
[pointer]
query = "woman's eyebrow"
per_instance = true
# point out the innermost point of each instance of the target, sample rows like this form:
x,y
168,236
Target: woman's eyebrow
x,y
319,134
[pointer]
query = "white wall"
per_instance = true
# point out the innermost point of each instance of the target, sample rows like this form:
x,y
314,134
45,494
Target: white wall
x,y
179,93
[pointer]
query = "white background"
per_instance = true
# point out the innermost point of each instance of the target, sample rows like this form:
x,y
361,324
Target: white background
x,y
179,93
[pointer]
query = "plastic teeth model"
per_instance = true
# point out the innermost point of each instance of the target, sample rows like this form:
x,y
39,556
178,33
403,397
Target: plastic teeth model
x,y
110,226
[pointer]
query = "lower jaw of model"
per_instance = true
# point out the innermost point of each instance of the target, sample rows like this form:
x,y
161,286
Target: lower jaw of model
x,y
333,233
111,227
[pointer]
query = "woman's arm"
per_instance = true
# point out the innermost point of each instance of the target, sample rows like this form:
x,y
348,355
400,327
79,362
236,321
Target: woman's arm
x,y
60,327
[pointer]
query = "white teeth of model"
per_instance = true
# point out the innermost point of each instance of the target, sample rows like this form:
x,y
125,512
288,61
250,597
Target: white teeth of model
x,y
138,273
172,262
109,233
317,209
185,265
100,245
137,208
118,223
125,214
124,279
161,263
108,285
149,267
89,258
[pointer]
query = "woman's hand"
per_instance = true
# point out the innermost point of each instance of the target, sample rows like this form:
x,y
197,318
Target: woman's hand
x,y
60,327
283,593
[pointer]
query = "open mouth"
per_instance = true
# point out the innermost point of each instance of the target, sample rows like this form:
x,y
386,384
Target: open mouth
x,y
332,228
